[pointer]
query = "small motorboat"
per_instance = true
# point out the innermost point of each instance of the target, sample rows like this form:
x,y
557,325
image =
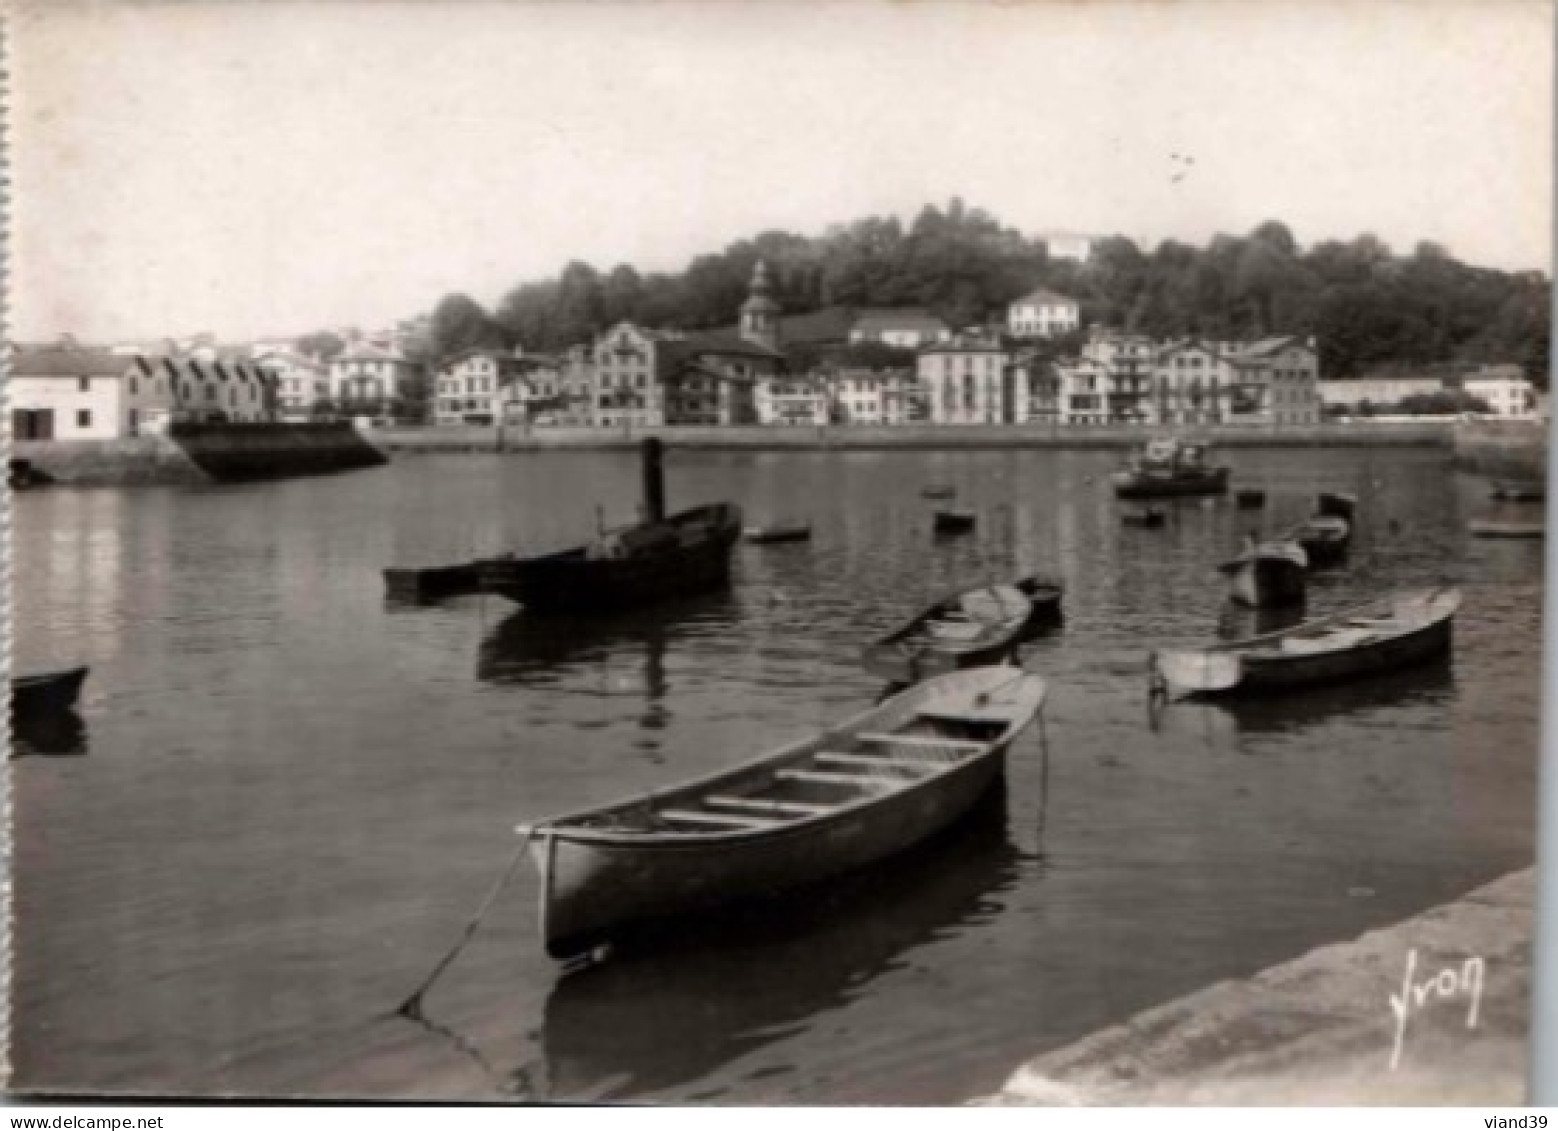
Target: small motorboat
x,y
1365,639
1168,468
1147,516
47,692
430,583
953,521
969,629
778,532
1520,490
1249,499
1506,528
861,791
1267,574
938,491
1325,539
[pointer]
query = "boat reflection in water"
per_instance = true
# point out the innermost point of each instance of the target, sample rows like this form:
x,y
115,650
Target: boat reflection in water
x,y
51,733
678,1001
1427,684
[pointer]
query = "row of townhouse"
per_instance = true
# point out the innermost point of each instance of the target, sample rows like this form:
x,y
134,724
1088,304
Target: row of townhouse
x,y
71,392
1505,389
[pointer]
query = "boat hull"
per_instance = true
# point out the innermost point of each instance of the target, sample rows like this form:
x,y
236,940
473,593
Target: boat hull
x,y
771,534
1129,485
900,666
41,694
1287,672
431,583
593,890
953,522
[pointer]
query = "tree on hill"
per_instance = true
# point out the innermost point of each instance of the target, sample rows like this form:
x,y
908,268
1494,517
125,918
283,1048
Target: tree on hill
x,y
460,323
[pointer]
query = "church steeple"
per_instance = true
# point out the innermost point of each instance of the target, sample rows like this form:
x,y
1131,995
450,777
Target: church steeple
x,y
760,313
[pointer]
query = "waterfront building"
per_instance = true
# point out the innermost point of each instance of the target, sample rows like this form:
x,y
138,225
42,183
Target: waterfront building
x,y
1273,381
630,366
216,391
69,392
576,388
367,379
1504,389
1190,379
862,395
302,382
791,399
905,328
1377,392
970,380
1043,314
468,386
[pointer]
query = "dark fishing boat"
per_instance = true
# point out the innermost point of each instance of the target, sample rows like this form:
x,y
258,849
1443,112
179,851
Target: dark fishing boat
x,y
1267,574
778,532
1148,517
1325,539
25,475
953,521
1373,637
1169,468
430,583
685,553
47,692
969,629
858,793
1506,528
633,565
1520,490
1249,499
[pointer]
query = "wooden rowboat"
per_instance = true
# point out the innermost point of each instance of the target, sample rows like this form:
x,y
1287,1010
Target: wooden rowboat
x,y
968,629
50,691
778,532
953,521
1504,528
1373,637
1267,574
856,794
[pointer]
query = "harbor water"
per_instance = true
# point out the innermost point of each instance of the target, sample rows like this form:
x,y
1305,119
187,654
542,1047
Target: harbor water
x,y
284,798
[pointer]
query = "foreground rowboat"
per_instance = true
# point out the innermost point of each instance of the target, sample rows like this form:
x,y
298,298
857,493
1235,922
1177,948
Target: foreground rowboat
x,y
969,629
858,793
1373,637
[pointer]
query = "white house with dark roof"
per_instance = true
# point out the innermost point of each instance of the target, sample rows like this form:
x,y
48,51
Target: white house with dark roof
x,y
1043,314
301,381
365,378
68,392
905,328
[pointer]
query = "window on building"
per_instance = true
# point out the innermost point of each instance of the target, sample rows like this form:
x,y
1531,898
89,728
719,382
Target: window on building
x,y
83,416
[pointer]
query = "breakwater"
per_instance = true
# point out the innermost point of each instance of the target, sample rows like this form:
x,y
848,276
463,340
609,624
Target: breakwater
x,y
911,437
192,454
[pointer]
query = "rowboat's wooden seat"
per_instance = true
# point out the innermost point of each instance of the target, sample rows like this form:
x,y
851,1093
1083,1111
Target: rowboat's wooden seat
x,y
729,820
764,804
833,778
955,630
916,764
919,740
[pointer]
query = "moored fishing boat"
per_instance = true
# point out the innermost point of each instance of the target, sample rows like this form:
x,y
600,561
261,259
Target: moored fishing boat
x,y
48,691
429,583
1267,574
1372,637
685,553
969,629
1168,468
861,791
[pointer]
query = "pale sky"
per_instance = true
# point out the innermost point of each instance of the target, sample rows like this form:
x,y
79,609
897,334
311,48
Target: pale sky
x,y
252,169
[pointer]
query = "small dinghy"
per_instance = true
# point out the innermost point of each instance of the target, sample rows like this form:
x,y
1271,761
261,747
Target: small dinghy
x,y
1267,574
1337,504
969,629
1325,539
861,791
1249,499
48,692
1373,637
953,521
1151,517
778,532
1504,528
